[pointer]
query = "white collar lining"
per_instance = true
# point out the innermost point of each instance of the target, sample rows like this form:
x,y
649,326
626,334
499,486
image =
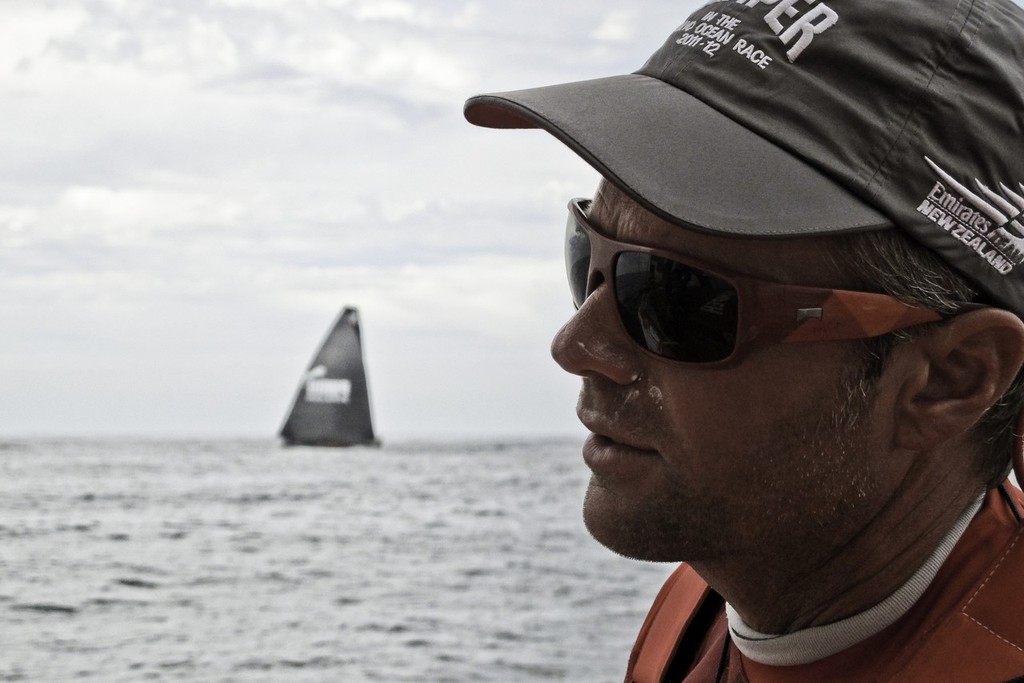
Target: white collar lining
x,y
818,642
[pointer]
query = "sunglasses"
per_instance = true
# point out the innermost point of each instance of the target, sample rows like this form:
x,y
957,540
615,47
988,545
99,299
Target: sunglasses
x,y
684,310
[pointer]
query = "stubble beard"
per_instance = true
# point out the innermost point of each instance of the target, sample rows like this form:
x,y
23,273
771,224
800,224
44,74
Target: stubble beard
x,y
706,526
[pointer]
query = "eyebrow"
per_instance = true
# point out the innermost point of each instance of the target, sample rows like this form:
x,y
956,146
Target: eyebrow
x,y
617,213
616,209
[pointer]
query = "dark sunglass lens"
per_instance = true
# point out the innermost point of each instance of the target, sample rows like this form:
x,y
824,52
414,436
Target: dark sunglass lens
x,y
674,310
577,260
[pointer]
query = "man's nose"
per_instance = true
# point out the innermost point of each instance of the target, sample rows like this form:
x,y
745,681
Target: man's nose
x,y
593,342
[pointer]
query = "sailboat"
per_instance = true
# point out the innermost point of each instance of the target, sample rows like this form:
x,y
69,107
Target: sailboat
x,y
332,404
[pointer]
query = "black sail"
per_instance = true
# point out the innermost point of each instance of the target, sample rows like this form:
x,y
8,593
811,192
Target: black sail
x,y
332,405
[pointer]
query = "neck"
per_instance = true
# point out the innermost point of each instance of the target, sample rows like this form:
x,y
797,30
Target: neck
x,y
812,644
780,590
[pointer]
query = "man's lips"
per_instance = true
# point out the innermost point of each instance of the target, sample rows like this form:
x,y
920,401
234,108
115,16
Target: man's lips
x,y
615,460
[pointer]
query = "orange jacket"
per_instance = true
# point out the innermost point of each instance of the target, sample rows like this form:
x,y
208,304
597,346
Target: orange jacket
x,y
967,626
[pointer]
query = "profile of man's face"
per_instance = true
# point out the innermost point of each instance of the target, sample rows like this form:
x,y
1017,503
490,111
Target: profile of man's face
x,y
694,464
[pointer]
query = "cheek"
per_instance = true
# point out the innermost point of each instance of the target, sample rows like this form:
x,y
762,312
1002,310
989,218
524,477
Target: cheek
x,y
766,398
707,409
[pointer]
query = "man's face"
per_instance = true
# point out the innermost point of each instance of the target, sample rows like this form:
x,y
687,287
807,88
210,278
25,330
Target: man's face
x,y
699,464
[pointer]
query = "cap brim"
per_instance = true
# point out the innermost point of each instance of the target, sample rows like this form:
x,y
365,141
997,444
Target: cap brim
x,y
682,159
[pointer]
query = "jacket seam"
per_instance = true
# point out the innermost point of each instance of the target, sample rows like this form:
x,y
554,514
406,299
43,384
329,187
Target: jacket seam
x,y
1008,642
982,587
992,573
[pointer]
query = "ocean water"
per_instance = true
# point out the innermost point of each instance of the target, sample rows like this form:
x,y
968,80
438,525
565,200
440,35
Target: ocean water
x,y
144,560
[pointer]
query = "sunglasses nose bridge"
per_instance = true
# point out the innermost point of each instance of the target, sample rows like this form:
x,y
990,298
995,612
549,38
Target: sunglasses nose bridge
x,y
602,257
595,278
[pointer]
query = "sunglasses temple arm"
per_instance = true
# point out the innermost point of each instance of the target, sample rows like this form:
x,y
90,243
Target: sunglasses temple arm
x,y
830,315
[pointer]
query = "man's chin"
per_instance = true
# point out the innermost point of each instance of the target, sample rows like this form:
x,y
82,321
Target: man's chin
x,y
623,527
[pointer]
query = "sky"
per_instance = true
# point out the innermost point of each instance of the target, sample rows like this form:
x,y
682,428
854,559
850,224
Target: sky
x,y
191,191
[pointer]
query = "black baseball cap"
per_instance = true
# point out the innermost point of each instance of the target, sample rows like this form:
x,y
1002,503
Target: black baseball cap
x,y
788,118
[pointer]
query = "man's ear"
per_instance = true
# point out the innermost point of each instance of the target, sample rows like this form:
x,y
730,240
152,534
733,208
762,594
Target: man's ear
x,y
954,372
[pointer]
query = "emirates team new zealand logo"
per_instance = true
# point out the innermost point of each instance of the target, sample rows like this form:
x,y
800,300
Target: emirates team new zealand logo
x,y
989,222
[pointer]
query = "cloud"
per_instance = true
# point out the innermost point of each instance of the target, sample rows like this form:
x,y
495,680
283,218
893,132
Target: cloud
x,y
618,26
190,191
306,48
